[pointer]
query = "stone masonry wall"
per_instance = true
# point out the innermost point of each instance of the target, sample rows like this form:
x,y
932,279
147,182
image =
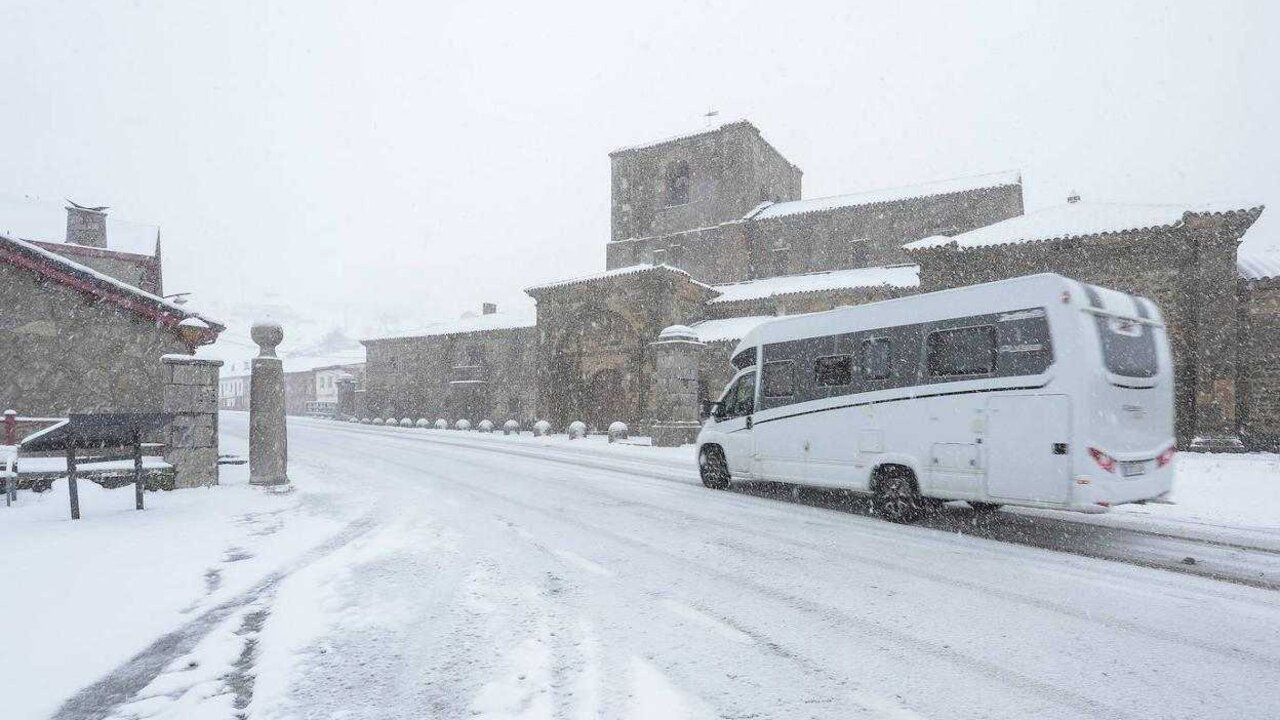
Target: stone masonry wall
x,y
191,439
62,353
1259,380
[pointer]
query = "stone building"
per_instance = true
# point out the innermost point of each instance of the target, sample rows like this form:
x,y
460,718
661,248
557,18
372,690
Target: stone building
x,y
474,367
76,333
710,230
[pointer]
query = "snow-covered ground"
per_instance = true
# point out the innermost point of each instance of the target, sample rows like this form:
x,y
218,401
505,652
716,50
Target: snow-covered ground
x,y
417,574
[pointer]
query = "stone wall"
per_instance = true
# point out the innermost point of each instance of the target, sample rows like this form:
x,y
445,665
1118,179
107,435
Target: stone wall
x,y
714,255
1259,380
730,171
61,353
478,375
140,271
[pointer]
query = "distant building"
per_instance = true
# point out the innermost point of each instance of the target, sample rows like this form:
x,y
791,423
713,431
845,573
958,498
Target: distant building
x,y
710,230
83,325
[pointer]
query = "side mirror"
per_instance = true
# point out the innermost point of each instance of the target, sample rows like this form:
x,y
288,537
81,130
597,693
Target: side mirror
x,y
710,409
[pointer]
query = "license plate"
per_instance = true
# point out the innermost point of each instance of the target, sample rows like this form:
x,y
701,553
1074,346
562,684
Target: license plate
x,y
1129,469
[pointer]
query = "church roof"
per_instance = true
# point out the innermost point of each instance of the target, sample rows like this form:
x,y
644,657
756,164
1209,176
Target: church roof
x,y
38,221
61,270
899,276
885,195
1078,219
1258,264
687,135
643,268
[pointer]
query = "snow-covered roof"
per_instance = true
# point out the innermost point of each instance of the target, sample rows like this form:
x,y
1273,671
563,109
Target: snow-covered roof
x,y
46,222
478,323
885,195
129,292
900,276
1258,264
685,135
616,272
1072,220
729,328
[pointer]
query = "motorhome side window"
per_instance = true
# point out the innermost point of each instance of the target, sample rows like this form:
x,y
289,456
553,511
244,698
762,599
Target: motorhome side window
x,y
877,359
963,351
779,379
833,370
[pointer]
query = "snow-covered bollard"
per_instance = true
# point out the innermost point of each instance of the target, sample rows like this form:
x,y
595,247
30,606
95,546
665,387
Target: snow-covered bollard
x,y
577,429
462,424
406,422
541,428
423,423
618,431
442,424
353,419
485,426
365,421
510,426
377,421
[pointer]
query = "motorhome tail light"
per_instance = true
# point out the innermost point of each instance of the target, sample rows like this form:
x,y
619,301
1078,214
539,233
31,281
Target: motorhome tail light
x,y
1166,457
1105,461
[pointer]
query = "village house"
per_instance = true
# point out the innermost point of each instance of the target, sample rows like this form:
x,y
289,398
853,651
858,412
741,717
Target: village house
x,y
711,230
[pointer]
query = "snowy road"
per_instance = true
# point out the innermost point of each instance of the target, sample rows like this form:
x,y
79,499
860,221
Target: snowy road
x,y
500,586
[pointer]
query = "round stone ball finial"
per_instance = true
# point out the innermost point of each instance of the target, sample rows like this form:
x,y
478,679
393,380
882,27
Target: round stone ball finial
x,y
678,333
267,334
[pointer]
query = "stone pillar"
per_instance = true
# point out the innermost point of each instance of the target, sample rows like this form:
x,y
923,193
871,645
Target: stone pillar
x,y
191,439
268,443
1217,343
346,397
675,389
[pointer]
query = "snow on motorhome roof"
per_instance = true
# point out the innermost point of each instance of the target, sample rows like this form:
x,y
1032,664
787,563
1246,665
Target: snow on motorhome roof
x,y
902,276
39,221
478,323
616,272
729,328
885,195
1072,220
685,135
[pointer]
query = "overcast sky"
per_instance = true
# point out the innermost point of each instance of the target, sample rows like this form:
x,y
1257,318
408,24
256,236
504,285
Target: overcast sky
x,y
409,160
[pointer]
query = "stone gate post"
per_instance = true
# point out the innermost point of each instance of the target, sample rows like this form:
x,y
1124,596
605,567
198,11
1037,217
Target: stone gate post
x,y
191,440
268,444
675,419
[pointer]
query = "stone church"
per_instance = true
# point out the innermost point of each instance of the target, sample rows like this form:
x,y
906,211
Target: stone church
x,y
710,230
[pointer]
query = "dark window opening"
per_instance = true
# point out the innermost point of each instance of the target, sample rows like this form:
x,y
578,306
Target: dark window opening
x,y
740,399
834,370
744,359
877,359
678,183
779,380
964,351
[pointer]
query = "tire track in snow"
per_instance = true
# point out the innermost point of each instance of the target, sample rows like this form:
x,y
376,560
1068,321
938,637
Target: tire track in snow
x,y
100,699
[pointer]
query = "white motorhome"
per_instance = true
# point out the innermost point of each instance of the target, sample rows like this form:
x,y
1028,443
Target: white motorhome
x,y
1039,391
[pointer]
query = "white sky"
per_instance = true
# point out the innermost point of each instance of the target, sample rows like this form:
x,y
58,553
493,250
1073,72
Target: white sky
x,y
410,160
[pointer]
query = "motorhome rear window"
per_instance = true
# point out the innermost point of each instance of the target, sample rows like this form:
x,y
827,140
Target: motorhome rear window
x,y
1128,347
833,370
877,359
779,379
962,351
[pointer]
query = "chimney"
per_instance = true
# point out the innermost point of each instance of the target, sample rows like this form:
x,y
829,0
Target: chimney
x,y
489,308
1073,197
86,226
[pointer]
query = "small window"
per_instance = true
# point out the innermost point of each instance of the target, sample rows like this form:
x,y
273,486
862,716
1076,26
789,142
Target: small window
x,y
833,370
877,359
740,398
678,183
964,351
779,379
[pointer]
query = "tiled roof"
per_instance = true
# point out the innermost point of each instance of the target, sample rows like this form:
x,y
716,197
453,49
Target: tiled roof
x,y
478,323
900,276
1079,219
885,195
1261,264
614,273
685,136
